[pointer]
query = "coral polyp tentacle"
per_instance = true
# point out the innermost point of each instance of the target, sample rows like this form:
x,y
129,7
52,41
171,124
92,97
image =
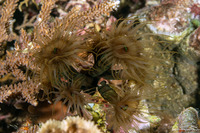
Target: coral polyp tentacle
x,y
124,47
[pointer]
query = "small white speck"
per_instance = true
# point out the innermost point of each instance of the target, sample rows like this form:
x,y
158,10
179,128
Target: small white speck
x,y
39,19
91,104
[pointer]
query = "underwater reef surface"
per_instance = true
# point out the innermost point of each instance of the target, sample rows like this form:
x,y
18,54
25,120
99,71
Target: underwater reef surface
x,y
91,66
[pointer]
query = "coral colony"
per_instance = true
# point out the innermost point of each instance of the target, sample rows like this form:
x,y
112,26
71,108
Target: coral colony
x,y
75,67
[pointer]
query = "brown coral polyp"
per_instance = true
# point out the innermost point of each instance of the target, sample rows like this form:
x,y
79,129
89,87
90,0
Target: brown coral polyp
x,y
126,112
57,57
72,97
123,46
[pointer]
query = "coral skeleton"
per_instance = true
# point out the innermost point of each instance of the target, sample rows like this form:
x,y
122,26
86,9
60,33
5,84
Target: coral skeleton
x,y
69,125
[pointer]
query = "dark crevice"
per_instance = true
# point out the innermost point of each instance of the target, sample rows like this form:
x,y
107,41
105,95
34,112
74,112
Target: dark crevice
x,y
197,92
175,70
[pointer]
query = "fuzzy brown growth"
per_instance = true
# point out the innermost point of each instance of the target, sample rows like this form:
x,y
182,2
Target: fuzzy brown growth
x,y
125,50
126,110
80,18
6,15
72,97
58,45
57,55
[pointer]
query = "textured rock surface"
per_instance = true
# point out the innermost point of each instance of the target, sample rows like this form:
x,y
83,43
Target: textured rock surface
x,y
172,21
